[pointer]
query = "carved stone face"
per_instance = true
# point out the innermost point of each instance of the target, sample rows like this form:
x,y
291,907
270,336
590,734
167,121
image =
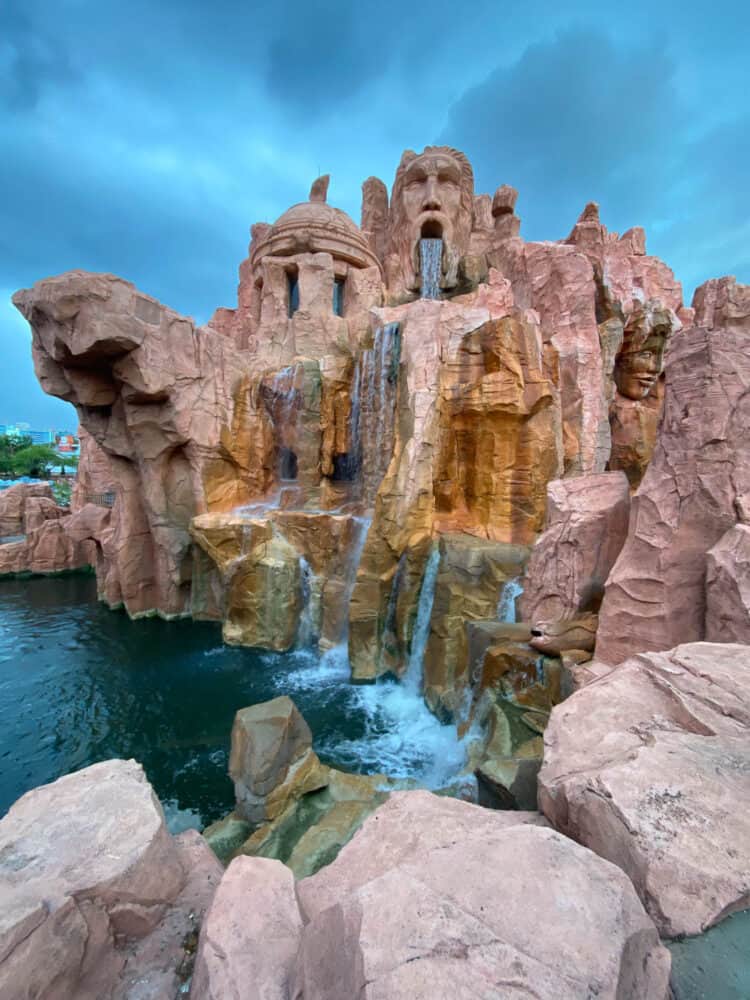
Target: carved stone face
x,y
637,372
433,197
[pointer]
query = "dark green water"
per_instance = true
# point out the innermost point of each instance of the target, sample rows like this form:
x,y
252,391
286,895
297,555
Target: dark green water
x,y
80,683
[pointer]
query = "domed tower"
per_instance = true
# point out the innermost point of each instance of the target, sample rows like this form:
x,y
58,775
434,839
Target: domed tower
x,y
307,283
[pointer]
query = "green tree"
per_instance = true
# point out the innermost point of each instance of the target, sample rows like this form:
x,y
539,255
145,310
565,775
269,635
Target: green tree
x,y
9,448
35,460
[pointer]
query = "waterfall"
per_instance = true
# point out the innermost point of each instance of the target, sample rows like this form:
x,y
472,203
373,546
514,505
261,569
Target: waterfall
x,y
306,628
374,407
506,606
430,257
284,413
352,565
413,675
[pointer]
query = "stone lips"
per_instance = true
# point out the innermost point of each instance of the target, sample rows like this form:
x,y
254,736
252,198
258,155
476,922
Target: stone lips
x,y
648,764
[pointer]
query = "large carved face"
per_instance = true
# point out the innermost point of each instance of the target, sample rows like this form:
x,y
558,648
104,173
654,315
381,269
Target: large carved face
x,y
432,197
641,359
637,372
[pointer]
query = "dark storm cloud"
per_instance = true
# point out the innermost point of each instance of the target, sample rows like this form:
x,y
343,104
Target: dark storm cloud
x,y
31,60
145,138
580,118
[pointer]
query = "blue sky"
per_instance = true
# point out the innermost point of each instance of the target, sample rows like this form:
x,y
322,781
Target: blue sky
x,y
144,139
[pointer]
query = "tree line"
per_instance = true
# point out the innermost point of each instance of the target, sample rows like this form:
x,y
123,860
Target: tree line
x,y
19,456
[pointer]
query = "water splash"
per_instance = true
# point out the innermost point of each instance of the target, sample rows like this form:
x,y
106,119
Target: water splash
x,y
414,671
506,606
430,256
401,737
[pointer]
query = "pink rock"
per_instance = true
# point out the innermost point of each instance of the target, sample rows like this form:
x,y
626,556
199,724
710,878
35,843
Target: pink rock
x,y
402,830
587,523
46,549
157,966
648,765
13,502
728,587
82,860
425,927
696,488
250,936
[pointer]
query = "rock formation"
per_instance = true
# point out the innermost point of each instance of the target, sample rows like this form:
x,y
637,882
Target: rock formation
x,y
404,912
648,766
696,488
39,533
288,467
97,897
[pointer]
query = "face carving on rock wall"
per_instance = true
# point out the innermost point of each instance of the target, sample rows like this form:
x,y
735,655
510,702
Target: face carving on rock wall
x,y
433,196
641,359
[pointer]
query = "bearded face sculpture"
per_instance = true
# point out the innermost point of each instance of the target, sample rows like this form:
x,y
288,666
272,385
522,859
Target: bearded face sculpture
x,y
641,358
433,196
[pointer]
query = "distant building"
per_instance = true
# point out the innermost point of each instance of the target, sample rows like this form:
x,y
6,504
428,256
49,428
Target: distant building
x,y
41,437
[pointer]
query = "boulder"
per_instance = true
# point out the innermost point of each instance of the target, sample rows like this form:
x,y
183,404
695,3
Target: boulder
x,y
405,911
696,488
728,587
249,939
88,872
272,761
402,830
13,503
649,765
47,548
586,526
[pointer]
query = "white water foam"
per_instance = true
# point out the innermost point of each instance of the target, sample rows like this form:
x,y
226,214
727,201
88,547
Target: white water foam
x,y
402,738
506,605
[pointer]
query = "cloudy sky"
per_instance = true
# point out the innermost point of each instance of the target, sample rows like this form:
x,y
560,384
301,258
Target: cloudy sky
x,y
144,139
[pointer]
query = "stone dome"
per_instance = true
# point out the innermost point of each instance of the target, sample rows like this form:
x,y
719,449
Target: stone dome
x,y
315,227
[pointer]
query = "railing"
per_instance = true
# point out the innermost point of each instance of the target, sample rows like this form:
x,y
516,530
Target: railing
x,y
101,499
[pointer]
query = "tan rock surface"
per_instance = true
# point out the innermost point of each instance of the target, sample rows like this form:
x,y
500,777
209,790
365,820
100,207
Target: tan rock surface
x,y
648,766
272,761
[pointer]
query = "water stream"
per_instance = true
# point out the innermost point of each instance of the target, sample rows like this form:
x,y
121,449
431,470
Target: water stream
x,y
374,407
430,258
506,605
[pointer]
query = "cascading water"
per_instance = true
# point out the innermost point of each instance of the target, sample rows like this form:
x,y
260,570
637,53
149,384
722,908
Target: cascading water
x,y
306,630
506,606
430,258
413,676
374,407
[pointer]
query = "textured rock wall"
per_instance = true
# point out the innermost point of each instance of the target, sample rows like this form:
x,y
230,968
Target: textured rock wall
x,y
696,488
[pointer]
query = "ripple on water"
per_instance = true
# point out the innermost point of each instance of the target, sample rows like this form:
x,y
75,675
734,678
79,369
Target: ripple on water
x,y
80,683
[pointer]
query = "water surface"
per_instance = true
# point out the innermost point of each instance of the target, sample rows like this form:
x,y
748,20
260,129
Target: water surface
x,y
80,683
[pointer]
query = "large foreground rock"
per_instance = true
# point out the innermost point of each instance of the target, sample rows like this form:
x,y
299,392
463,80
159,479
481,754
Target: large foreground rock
x,y
95,897
649,766
250,936
463,903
